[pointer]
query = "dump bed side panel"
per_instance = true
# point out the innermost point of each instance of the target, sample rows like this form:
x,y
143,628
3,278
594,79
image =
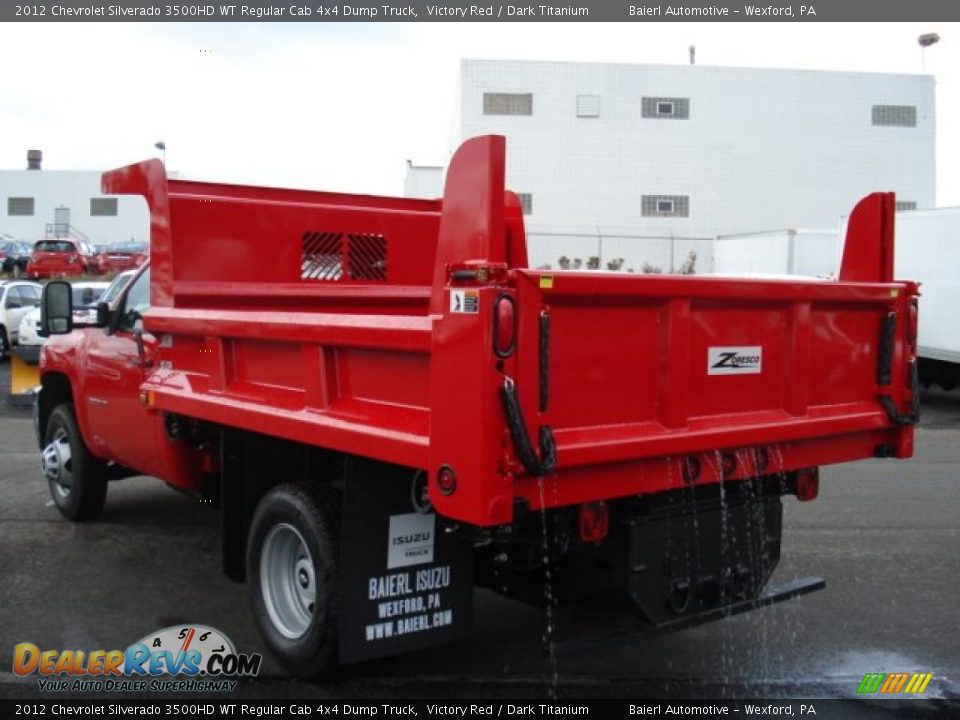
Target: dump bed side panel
x,y
291,313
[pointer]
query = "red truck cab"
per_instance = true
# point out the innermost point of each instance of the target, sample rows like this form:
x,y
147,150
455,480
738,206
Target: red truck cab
x,y
389,407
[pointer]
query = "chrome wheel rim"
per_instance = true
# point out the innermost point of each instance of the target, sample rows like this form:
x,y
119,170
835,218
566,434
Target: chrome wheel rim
x,y
58,466
288,581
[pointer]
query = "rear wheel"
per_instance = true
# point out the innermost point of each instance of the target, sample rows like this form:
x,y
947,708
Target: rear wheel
x,y
4,343
77,479
293,574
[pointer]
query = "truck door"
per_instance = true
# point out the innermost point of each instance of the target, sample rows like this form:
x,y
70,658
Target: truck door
x,y
121,428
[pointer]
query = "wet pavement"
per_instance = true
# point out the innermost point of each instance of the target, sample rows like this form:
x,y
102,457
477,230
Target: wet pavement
x,y
884,534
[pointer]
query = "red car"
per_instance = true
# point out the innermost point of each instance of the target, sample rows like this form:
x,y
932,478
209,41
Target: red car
x,y
62,257
122,256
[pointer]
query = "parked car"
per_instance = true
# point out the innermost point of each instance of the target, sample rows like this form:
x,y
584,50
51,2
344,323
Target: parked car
x,y
86,295
16,300
121,256
62,257
14,255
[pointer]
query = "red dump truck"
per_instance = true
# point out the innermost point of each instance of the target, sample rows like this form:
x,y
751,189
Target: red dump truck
x,y
389,407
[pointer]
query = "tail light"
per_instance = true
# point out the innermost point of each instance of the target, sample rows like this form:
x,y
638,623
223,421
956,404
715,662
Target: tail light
x,y
504,326
447,480
594,521
808,484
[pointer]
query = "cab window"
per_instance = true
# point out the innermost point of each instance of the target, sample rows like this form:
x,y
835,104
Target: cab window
x,y
14,300
31,295
118,284
136,302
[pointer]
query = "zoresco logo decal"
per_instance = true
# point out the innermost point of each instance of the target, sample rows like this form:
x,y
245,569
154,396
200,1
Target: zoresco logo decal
x,y
741,360
193,651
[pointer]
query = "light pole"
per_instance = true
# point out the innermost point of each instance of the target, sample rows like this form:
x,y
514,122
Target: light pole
x,y
162,147
925,41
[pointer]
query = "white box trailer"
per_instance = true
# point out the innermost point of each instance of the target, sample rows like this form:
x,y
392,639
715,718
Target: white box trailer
x,y
928,251
789,251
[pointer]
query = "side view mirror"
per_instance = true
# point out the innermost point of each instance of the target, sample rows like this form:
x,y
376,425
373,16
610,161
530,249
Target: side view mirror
x,y
56,308
104,316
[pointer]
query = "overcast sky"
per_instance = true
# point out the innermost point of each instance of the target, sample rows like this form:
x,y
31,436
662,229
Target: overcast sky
x,y
343,106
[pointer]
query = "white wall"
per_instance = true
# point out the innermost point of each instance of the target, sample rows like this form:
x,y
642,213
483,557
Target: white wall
x,y
73,189
423,181
786,252
761,148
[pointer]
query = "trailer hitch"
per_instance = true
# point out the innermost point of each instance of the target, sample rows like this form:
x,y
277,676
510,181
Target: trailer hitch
x,y
538,467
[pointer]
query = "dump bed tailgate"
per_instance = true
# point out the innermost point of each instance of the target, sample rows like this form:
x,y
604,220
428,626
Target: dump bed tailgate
x,y
627,384
650,382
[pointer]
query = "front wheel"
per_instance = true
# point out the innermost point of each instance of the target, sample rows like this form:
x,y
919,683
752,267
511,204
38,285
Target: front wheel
x,y
293,574
77,479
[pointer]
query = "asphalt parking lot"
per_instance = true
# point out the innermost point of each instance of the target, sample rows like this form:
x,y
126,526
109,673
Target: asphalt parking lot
x,y
884,534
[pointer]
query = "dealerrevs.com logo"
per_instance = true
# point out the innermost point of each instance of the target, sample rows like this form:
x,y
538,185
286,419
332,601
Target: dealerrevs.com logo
x,y
740,360
181,658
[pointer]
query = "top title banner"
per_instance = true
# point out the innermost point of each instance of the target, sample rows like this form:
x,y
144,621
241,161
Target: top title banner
x,y
419,11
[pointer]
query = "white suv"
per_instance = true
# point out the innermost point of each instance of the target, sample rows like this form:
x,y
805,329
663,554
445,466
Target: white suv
x,y
17,298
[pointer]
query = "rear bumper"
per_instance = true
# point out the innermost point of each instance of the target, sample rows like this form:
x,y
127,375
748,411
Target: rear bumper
x,y
39,273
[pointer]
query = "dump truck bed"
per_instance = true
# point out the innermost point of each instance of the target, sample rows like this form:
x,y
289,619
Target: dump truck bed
x,y
412,332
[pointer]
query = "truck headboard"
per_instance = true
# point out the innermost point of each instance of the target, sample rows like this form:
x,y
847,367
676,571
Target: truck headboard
x,y
233,246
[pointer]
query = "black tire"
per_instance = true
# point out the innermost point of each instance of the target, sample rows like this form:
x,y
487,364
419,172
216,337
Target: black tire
x,y
295,540
4,343
77,480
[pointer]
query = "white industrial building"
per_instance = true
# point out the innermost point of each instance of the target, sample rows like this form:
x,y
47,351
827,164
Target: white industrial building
x,y
36,203
648,162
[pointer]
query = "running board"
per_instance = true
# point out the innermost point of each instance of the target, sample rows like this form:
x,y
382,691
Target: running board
x,y
771,595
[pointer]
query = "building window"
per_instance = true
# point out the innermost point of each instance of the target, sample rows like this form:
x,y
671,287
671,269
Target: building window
x,y
19,206
103,207
526,202
588,106
507,104
665,206
906,205
666,108
895,115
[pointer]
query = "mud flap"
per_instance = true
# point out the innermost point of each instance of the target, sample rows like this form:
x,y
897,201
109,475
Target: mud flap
x,y
405,582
